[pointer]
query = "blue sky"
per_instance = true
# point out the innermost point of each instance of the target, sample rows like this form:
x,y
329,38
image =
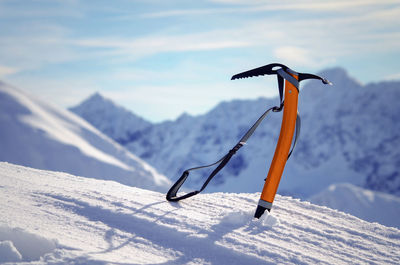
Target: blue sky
x,y
162,58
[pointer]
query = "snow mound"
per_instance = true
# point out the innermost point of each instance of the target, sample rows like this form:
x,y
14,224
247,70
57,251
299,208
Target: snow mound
x,y
104,222
241,218
18,245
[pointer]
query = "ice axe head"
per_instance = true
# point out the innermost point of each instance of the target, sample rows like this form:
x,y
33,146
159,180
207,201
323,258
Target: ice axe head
x,y
275,69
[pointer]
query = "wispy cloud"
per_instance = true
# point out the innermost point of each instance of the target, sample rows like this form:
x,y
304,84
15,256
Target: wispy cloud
x,y
153,44
357,28
307,4
244,6
27,48
395,76
39,9
296,56
6,70
363,32
188,12
181,49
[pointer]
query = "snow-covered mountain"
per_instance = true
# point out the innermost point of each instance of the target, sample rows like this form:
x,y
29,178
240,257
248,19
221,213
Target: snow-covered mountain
x,y
355,123
55,218
369,205
111,119
36,134
349,134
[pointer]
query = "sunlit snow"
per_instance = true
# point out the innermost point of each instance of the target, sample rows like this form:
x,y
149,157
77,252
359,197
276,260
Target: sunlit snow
x,y
55,218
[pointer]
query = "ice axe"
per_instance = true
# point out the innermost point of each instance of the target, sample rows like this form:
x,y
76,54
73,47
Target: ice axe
x,y
288,84
289,93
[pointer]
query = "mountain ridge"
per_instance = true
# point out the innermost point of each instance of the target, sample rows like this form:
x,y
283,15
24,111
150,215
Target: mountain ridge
x,y
119,121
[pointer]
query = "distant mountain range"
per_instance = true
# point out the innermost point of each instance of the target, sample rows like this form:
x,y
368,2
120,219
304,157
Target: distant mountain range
x,y
37,134
350,133
373,206
111,119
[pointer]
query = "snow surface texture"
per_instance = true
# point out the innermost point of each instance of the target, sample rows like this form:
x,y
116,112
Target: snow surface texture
x,y
65,219
366,204
348,134
37,134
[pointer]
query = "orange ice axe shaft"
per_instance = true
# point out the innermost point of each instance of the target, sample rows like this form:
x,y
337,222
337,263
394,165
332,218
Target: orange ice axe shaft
x,y
282,149
290,120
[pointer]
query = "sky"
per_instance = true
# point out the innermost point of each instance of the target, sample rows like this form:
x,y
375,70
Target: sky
x,y
161,58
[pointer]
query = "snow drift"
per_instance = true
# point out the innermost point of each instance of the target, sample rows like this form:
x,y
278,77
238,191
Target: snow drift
x,y
91,221
37,134
18,245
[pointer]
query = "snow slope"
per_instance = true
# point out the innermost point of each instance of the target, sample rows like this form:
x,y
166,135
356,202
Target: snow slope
x,y
348,134
368,205
37,134
55,218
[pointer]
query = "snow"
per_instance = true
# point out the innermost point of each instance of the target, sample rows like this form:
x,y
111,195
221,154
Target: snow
x,y
66,219
62,131
369,205
18,245
37,134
